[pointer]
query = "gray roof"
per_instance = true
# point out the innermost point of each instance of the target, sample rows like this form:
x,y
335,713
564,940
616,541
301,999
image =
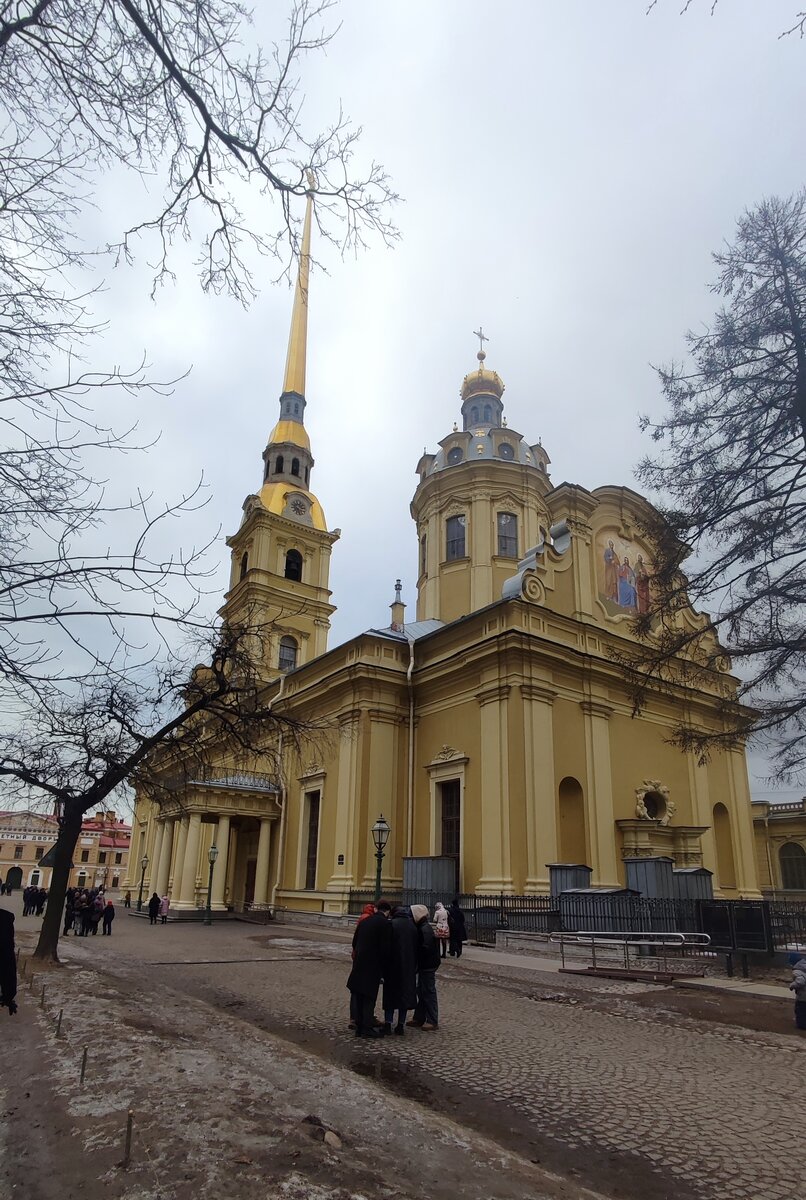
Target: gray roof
x,y
412,631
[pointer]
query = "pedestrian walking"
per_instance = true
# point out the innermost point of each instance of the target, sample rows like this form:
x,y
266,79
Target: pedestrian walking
x,y
165,904
400,980
426,1014
372,943
798,986
457,927
127,900
40,901
442,930
154,908
8,963
108,918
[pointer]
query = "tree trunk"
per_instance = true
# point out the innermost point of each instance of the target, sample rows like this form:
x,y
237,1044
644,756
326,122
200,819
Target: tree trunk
x,y
69,830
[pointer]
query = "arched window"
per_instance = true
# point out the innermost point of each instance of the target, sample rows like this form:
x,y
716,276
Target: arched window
x,y
278,465
455,455
571,822
488,413
244,564
296,408
293,565
423,553
295,466
306,474
792,858
454,538
288,653
474,415
288,406
507,535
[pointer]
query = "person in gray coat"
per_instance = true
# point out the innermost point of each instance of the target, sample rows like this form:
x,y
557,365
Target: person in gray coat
x,y
400,980
798,986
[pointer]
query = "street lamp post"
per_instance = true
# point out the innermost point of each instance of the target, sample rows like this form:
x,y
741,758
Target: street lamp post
x,y
212,856
380,836
143,865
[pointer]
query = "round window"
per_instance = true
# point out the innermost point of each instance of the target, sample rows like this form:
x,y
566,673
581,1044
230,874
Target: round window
x,y
505,450
455,455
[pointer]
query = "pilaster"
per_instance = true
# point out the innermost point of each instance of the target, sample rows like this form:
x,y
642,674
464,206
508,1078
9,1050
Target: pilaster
x,y
496,858
540,786
346,794
220,869
599,800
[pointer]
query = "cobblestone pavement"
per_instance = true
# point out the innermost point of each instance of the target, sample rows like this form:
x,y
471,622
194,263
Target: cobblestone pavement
x,y
570,1070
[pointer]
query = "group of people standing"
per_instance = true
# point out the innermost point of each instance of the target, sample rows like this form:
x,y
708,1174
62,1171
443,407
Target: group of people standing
x,y
158,909
399,947
85,910
34,900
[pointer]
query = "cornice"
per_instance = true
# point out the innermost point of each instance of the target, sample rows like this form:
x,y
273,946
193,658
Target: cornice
x,y
497,692
537,691
597,708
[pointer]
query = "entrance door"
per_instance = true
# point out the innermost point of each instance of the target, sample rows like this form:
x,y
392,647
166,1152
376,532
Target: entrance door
x,y
14,877
249,891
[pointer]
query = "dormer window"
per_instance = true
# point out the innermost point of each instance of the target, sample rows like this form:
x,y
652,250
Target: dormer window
x,y
506,450
455,455
278,465
295,466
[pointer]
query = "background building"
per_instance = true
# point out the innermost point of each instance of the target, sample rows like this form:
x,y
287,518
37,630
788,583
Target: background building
x,y
100,859
780,837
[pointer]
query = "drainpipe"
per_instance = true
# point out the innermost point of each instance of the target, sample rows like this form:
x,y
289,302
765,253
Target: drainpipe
x,y
281,798
410,781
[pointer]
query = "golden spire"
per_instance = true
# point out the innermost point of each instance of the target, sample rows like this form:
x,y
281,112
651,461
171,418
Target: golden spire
x,y
298,338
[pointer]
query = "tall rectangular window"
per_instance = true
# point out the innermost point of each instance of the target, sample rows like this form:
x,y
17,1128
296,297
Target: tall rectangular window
x,y
18,851
507,535
118,859
449,795
313,840
455,538
423,558
85,856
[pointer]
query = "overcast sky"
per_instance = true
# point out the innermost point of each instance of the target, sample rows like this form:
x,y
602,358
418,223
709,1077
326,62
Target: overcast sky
x,y
567,167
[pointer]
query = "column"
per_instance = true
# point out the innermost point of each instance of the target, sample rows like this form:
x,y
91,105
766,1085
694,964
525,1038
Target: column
x,y
187,886
229,886
262,864
496,864
164,865
220,868
702,810
540,792
599,807
175,879
156,854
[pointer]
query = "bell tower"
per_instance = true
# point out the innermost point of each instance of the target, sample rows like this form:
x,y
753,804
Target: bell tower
x,y
281,553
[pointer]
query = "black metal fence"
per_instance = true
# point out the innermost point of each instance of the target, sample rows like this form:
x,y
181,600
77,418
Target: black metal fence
x,y
746,926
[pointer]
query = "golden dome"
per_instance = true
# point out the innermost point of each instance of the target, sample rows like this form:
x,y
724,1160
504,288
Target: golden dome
x,y
290,431
482,382
274,497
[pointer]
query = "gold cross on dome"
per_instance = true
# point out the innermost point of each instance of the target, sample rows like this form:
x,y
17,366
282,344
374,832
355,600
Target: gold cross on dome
x,y
479,333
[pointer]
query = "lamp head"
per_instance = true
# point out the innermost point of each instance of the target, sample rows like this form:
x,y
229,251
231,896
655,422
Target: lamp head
x,y
144,861
380,832
213,853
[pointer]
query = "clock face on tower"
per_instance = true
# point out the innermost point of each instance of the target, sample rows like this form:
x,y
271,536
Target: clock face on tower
x,y
298,506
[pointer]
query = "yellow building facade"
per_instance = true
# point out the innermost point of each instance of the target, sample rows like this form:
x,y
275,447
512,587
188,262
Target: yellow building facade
x,y
495,730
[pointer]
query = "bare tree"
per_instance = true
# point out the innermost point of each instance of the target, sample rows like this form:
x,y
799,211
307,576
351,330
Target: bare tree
x,y
732,472
798,18
99,628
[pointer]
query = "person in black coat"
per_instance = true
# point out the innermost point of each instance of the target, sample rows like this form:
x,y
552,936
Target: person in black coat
x,y
372,946
426,1014
400,980
8,962
108,917
154,908
458,931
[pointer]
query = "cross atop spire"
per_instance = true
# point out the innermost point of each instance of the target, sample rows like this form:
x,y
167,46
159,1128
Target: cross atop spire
x,y
480,334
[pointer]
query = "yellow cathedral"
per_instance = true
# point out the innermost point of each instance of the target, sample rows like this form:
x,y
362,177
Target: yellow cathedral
x,y
494,731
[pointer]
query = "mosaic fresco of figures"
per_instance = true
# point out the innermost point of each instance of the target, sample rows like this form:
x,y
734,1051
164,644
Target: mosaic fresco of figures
x,y
623,571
